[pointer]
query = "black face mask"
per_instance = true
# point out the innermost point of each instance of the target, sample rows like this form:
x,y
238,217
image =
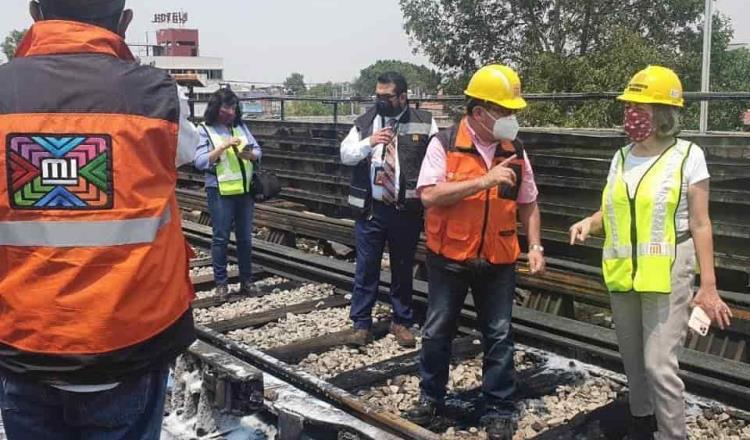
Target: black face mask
x,y
387,109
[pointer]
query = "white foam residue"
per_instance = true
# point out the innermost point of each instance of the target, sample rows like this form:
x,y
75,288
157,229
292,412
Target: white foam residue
x,y
252,428
192,380
175,427
238,370
694,404
295,401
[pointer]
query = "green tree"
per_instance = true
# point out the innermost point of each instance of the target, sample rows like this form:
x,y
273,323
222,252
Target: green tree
x,y
729,72
11,43
579,46
295,84
463,35
732,73
419,78
608,69
316,108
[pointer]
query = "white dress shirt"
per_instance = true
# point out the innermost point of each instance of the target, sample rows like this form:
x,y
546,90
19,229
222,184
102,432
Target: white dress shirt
x,y
187,137
354,149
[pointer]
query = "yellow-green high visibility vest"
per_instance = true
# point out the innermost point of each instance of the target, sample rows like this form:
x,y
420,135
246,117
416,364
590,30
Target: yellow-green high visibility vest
x,y
641,232
233,173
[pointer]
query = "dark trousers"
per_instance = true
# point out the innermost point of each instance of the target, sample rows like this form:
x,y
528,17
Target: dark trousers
x,y
493,290
133,410
227,211
400,229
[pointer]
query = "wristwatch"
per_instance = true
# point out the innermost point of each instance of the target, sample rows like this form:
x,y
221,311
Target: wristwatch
x,y
536,247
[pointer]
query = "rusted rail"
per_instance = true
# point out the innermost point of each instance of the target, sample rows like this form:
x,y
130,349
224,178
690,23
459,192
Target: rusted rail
x,y
722,379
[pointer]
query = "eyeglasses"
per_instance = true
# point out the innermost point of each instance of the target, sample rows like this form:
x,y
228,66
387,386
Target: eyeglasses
x,y
499,112
385,96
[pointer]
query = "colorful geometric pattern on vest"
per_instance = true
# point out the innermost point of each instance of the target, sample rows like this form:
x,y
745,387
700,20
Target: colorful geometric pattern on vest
x,y
70,172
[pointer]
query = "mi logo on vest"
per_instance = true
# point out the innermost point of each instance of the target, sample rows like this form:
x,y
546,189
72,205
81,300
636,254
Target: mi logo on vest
x,y
69,172
59,171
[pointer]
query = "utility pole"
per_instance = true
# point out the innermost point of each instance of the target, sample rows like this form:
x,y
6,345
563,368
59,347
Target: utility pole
x,y
706,71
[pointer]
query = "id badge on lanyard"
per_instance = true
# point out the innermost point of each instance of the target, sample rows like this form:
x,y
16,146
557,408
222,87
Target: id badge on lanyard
x,y
378,176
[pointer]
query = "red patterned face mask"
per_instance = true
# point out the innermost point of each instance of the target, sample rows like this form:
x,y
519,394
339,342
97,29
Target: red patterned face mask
x,y
637,124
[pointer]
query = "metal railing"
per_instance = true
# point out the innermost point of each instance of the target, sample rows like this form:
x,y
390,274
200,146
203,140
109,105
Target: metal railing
x,y
458,100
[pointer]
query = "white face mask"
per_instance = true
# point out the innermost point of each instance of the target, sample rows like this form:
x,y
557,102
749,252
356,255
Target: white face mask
x,y
505,128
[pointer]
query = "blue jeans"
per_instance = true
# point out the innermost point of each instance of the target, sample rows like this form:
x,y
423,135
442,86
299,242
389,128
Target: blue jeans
x,y
493,289
35,411
400,229
225,211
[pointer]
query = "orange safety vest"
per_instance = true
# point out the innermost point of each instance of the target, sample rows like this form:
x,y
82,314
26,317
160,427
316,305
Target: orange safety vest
x,y
481,226
92,255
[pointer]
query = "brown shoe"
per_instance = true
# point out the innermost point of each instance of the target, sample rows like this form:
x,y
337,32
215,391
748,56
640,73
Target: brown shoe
x,y
360,338
404,337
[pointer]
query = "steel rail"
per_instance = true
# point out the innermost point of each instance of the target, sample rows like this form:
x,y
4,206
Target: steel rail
x,y
721,379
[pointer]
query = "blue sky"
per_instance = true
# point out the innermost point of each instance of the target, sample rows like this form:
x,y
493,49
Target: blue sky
x,y
265,40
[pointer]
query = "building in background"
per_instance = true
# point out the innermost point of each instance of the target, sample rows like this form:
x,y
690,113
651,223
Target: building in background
x,y
177,50
177,43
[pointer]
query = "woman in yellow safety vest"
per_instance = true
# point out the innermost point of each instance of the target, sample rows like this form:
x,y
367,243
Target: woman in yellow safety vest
x,y
226,154
654,214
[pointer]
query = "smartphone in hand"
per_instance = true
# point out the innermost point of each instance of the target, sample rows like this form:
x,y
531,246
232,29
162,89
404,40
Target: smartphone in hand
x,y
699,321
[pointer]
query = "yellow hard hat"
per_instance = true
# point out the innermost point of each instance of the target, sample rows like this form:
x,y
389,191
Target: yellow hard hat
x,y
497,84
654,85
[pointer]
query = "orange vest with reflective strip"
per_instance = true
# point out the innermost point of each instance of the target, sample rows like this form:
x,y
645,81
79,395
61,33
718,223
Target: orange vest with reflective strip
x,y
92,255
481,226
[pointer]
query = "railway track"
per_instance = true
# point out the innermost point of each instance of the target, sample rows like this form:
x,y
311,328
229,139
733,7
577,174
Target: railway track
x,y
561,314
568,289
570,168
296,326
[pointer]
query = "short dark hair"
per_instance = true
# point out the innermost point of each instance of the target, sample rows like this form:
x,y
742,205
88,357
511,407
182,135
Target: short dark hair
x,y
396,79
472,103
219,98
102,13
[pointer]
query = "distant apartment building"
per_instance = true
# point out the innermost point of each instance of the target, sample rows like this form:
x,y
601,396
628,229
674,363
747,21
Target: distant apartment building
x,y
178,52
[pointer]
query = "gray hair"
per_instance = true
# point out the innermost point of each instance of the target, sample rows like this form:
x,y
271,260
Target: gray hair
x,y
666,120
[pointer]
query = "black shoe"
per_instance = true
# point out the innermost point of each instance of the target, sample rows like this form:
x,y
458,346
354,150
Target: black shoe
x,y
424,413
642,428
222,291
248,288
499,427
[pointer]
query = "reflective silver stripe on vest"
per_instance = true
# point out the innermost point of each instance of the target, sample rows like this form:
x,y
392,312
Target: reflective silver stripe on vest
x,y
611,215
675,160
617,252
414,128
656,249
83,234
229,177
357,202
